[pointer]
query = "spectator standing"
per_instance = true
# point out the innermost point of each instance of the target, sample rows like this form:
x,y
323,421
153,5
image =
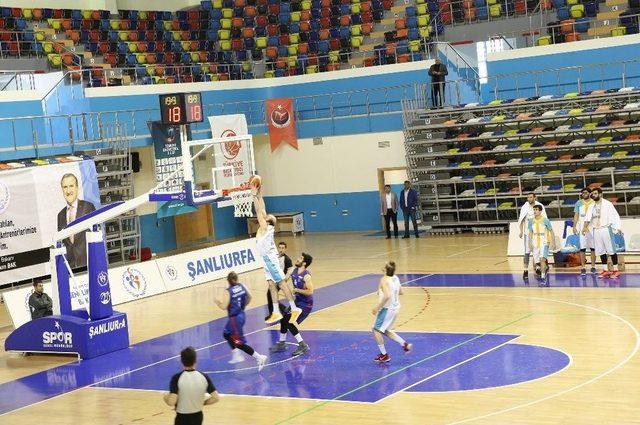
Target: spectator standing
x,y
389,209
409,204
40,303
438,71
189,390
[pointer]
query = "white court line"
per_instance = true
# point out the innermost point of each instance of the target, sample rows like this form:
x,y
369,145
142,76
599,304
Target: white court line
x,y
174,357
467,250
224,395
288,359
575,387
440,372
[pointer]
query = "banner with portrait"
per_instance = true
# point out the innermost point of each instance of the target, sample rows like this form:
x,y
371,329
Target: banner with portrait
x,y
36,202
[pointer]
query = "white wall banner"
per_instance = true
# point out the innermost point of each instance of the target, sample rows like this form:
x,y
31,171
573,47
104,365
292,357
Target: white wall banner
x,y
34,205
192,268
141,280
630,228
233,154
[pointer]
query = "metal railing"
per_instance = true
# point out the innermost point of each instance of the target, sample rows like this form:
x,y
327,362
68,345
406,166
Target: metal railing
x,y
460,14
17,80
18,44
568,31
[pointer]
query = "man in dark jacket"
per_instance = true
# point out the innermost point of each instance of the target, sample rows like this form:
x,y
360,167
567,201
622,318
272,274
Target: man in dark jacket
x,y
40,304
409,204
77,244
438,71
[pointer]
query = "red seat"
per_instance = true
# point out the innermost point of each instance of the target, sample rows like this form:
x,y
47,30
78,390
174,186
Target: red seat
x,y
202,56
37,14
150,35
261,21
193,15
85,24
185,35
16,12
325,23
325,3
272,52
366,28
94,36
73,35
194,25
125,24
273,30
367,17
520,7
401,24
365,7
323,34
250,11
325,12
470,14
403,58
237,44
274,9
141,26
103,47
66,24
95,15
247,32
566,26
387,4
151,15
111,59
223,77
345,20
151,58
369,62
283,40
303,48
237,22
572,37
333,66
133,35
57,13
281,63
305,15
145,253
142,46
446,16
334,44
175,25
305,26
239,3
213,68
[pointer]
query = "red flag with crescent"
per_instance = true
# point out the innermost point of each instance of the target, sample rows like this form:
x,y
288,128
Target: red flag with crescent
x,y
282,124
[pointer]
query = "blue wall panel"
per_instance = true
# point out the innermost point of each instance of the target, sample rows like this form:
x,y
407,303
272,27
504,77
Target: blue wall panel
x,y
159,235
227,226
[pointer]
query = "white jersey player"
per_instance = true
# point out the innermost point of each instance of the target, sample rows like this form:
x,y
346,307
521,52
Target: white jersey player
x,y
386,312
605,222
526,214
580,213
267,249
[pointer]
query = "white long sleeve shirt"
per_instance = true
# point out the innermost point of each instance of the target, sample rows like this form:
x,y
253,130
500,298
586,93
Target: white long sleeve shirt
x,y
526,212
604,214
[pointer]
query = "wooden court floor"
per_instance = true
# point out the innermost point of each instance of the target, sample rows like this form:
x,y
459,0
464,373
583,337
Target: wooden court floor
x,y
596,327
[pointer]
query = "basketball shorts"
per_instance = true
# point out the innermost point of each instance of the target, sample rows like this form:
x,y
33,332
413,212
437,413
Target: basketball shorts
x,y
525,239
286,312
586,241
603,241
272,270
235,329
540,253
385,319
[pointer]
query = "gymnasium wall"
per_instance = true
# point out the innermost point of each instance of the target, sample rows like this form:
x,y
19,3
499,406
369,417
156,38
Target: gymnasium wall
x,y
555,56
112,5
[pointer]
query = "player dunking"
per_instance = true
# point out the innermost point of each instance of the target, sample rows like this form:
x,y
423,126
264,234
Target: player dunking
x,y
386,312
303,288
266,247
235,298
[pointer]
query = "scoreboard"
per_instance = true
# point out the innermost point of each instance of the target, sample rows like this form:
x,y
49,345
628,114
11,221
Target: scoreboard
x,y
181,108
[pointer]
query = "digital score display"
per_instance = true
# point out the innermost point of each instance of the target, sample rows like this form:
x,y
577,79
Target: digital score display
x,y
181,108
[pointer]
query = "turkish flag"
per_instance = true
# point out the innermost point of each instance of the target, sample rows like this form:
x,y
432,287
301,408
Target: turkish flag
x,y
282,123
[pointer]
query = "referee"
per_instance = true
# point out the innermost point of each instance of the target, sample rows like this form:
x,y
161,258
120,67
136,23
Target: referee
x,y
189,390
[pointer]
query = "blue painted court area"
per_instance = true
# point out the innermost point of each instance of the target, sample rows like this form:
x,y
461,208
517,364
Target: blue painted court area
x,y
340,365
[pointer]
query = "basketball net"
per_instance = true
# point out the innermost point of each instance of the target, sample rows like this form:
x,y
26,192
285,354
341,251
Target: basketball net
x,y
242,203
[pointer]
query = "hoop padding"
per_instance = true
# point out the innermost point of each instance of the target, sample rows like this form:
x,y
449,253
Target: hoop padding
x,y
242,203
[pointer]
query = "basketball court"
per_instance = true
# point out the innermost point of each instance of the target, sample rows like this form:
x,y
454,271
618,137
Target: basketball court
x,y
487,348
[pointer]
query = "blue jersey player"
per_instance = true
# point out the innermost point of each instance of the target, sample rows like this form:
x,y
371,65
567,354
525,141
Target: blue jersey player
x,y
234,299
303,290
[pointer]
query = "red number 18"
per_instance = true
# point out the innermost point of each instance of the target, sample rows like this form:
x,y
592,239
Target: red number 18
x,y
174,114
196,112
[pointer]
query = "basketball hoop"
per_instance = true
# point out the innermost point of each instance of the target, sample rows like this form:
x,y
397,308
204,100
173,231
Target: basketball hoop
x,y
242,200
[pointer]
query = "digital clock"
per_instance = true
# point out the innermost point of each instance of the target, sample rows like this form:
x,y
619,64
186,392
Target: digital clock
x,y
181,108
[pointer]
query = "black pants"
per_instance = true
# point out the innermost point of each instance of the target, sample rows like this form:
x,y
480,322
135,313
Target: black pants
x,y
189,418
437,93
391,216
410,212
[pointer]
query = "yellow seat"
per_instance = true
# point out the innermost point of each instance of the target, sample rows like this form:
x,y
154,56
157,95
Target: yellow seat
x,y
224,34
293,50
123,35
544,41
425,32
56,24
185,46
141,58
423,20
292,61
114,24
133,47
167,25
572,2
54,59
421,1
356,41
261,42
617,31
225,23
577,11
356,29
195,57
47,47
295,16
414,46
492,2
40,36
294,38
306,5
334,56
227,13
269,74
86,14
213,77
246,66
422,9
151,70
217,4
312,69
495,10
355,8
27,13
225,45
142,15
176,35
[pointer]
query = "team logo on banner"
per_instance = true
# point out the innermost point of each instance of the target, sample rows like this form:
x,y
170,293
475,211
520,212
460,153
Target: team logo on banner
x,y
5,197
282,126
134,282
171,272
103,278
230,149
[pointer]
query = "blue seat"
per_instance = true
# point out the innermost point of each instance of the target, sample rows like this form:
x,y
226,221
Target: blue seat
x,y
212,35
591,9
316,13
563,13
283,51
113,36
414,34
131,59
167,36
411,11
272,41
416,56
315,25
249,21
412,22
313,46
356,19
123,48
481,13
582,25
216,14
181,15
176,46
151,47
76,14
141,71
294,28
206,5
279,73
166,15
249,44
238,12
284,18
186,58
104,24
260,32
334,32
285,7
323,47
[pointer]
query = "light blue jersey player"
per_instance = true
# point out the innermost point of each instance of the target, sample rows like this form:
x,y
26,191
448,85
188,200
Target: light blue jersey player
x,y
541,239
581,211
267,249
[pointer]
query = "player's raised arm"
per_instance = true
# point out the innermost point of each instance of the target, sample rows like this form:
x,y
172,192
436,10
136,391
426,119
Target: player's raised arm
x,y
261,209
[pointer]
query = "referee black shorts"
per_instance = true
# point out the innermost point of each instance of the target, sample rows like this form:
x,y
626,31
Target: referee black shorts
x,y
189,418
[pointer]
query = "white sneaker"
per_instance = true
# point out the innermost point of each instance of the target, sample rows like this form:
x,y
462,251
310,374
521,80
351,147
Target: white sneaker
x,y
236,357
262,360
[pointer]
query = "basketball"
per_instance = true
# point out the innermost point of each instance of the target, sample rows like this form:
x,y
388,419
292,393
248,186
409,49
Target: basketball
x,y
255,181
